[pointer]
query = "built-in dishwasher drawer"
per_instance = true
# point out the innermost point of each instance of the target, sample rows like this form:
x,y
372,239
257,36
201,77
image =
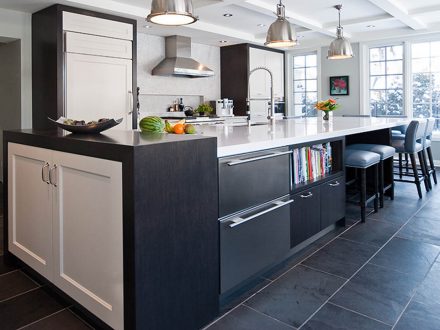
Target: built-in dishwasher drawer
x,y
252,179
252,241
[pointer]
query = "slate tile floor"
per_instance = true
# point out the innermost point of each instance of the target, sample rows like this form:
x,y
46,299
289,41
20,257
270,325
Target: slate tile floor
x,y
382,274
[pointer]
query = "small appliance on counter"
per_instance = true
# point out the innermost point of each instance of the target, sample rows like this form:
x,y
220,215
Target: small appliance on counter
x,y
224,107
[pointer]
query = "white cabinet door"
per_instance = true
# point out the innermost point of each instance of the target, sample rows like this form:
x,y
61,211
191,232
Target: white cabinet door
x,y
101,46
258,81
98,87
275,63
97,26
30,207
88,251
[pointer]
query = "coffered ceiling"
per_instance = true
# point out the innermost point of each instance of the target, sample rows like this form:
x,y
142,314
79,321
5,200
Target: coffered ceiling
x,y
314,20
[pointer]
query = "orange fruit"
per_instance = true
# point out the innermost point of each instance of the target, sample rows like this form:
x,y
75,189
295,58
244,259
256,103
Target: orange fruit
x,y
179,129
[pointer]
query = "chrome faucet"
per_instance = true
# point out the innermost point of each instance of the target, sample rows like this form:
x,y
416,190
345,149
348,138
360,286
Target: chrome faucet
x,y
271,110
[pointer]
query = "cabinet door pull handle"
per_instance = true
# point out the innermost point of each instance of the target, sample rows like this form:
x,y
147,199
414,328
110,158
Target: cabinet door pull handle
x,y
248,160
334,184
309,194
278,204
51,176
44,173
130,102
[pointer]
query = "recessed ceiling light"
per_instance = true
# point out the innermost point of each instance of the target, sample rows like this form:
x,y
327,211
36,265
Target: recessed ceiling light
x,y
261,25
147,26
371,26
228,15
223,41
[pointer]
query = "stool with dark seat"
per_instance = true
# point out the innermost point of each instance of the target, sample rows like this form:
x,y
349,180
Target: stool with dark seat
x,y
362,160
427,142
385,152
412,146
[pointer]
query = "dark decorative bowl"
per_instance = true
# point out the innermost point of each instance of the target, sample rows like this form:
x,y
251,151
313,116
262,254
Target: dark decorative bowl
x,y
87,129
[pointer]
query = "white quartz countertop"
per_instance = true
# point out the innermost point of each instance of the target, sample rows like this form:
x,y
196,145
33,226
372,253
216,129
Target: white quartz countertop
x,y
233,140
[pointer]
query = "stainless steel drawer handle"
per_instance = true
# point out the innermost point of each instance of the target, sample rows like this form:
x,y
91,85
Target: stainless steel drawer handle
x,y
309,194
45,173
334,184
248,160
51,176
278,204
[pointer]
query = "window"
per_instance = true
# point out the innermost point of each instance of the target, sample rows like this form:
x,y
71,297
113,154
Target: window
x,y
386,81
425,64
305,84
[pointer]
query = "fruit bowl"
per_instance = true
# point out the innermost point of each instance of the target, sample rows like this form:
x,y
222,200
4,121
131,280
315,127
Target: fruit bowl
x,y
94,128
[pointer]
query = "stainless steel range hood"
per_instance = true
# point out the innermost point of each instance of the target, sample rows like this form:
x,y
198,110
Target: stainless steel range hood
x,y
178,61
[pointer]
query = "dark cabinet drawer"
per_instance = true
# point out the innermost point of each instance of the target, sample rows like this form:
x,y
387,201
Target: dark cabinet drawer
x,y
253,179
332,202
253,241
305,215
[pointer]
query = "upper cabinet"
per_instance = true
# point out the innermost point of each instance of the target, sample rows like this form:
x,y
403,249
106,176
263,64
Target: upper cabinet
x,y
236,63
83,66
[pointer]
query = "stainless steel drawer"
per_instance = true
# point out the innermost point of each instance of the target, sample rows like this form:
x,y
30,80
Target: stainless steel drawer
x,y
252,179
252,241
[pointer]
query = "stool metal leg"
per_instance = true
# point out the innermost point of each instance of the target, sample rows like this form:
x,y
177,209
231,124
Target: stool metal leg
x,y
431,163
381,183
363,190
416,176
400,166
376,188
423,168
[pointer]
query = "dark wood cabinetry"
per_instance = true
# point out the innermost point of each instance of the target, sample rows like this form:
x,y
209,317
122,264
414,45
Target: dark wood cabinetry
x,y
305,215
235,67
332,201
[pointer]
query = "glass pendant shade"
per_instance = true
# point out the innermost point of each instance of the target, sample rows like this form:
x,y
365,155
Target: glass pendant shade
x,y
280,33
171,12
340,48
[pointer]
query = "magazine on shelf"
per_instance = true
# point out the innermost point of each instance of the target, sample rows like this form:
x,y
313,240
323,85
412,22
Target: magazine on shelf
x,y
310,163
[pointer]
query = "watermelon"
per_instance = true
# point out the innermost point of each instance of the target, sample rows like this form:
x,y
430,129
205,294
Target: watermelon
x,y
152,124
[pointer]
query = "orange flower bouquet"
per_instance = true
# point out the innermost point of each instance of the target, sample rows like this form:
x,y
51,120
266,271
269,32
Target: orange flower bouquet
x,y
327,106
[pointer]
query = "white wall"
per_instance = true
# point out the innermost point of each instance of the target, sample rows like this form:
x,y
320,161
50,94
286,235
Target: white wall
x,y
350,104
158,92
17,25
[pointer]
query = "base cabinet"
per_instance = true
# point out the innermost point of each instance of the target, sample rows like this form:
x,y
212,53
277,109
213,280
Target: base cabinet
x,y
252,241
332,202
305,220
65,221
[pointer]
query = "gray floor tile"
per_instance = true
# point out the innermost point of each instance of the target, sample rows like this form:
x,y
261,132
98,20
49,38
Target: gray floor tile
x,y
420,316
341,257
14,283
332,317
244,318
393,216
296,295
407,256
65,320
429,291
377,292
422,229
5,268
371,232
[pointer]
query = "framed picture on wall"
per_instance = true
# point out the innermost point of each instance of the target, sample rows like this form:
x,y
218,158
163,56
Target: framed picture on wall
x,y
339,85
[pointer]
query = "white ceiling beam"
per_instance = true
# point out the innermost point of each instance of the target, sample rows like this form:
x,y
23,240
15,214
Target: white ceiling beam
x,y
395,9
425,10
266,8
364,20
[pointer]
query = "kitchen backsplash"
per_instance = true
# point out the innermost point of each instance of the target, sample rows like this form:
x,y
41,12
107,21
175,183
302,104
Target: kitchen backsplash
x,y
158,93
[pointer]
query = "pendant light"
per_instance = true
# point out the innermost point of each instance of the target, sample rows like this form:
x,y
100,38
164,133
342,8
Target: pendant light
x,y
280,33
340,48
171,12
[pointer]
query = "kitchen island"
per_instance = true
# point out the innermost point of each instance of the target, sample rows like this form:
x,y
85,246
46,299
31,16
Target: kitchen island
x,y
127,224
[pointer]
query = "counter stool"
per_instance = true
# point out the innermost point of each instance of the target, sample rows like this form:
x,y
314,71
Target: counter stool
x,y
398,133
385,152
427,142
412,145
362,160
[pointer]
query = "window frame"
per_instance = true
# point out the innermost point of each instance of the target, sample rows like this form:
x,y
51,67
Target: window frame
x,y
290,77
